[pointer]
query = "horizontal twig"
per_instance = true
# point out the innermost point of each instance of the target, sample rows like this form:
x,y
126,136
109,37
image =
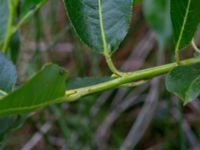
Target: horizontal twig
x,y
74,94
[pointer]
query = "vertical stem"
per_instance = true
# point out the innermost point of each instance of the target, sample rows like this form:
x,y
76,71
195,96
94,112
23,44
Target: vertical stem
x,y
12,4
177,57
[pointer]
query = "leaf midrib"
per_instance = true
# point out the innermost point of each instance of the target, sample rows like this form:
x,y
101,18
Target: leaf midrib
x,y
29,108
183,25
102,30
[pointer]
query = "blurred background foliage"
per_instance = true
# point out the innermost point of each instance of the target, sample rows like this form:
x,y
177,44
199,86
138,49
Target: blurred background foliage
x,y
146,117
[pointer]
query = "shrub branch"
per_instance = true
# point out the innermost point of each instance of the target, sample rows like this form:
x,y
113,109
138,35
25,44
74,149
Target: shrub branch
x,y
74,94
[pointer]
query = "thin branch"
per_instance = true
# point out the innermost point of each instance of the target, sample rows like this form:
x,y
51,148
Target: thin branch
x,y
72,95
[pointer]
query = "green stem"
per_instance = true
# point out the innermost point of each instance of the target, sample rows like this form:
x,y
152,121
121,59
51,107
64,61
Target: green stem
x,y
106,47
112,66
145,74
177,57
12,10
195,46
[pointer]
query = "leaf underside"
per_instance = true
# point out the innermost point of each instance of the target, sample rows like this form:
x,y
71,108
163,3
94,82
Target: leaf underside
x,y
84,15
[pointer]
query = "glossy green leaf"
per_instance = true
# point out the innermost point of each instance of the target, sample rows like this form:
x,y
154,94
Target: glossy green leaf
x,y
3,19
43,89
157,14
85,17
7,74
185,17
184,81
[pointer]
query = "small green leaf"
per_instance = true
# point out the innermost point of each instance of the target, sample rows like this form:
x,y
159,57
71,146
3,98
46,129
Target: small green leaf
x,y
157,14
43,89
85,17
185,17
184,81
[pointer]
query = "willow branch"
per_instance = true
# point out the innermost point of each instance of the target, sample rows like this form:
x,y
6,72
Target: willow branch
x,y
74,94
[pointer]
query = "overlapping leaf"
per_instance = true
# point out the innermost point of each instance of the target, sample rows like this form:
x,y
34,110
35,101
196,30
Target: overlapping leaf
x,y
185,17
43,89
184,81
84,15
